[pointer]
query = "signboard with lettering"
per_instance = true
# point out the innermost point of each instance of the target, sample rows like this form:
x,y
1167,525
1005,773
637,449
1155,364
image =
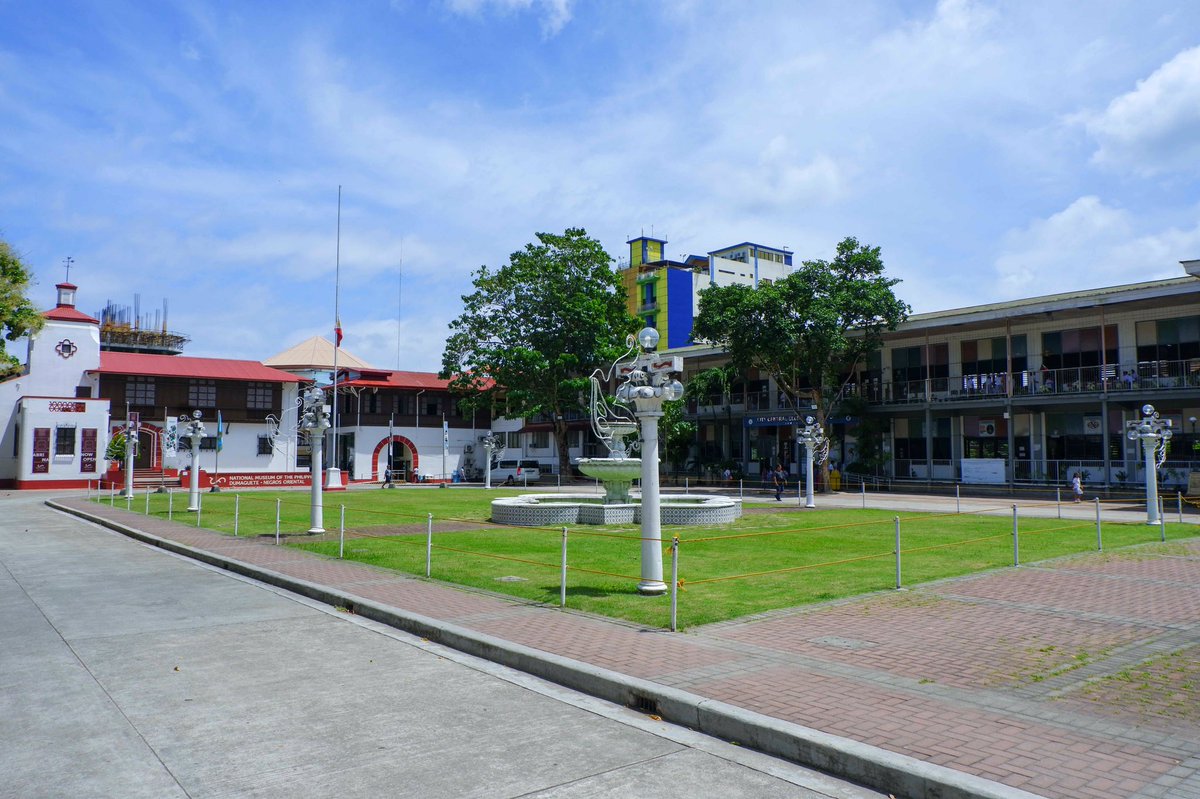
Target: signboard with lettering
x,y
41,450
983,470
773,420
264,480
87,452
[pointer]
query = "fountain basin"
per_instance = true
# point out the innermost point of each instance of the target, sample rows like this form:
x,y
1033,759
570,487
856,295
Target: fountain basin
x,y
617,475
546,510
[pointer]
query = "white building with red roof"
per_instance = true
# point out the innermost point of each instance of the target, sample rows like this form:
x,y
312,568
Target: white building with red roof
x,y
58,415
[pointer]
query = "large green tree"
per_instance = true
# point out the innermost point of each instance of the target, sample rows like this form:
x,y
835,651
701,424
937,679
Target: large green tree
x,y
810,331
533,330
18,317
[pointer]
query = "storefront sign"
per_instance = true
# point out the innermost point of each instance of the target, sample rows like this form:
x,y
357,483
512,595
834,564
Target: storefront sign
x,y
87,452
41,450
983,470
773,420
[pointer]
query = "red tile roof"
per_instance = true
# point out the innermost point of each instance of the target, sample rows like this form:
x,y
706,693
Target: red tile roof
x,y
383,379
65,314
137,363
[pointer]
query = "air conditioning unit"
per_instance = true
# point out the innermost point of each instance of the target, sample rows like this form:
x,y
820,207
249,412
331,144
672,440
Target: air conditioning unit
x,y
987,429
469,448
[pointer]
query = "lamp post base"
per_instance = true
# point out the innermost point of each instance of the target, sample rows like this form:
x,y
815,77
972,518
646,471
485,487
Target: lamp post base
x,y
333,479
652,587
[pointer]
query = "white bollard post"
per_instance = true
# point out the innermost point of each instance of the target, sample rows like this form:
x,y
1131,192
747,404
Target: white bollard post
x,y
1162,521
112,497
1016,545
1099,536
1179,504
740,488
1058,500
237,507
864,492
170,504
674,583
342,534
896,519
428,544
562,578
277,503
199,507
147,502
957,500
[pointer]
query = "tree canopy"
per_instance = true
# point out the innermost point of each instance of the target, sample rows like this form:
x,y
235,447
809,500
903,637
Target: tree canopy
x,y
18,317
535,329
810,331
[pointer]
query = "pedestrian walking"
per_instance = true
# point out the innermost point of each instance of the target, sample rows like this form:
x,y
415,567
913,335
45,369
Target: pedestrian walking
x,y
1077,487
780,478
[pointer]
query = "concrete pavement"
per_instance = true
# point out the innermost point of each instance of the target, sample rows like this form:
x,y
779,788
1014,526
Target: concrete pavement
x,y
127,672
1074,678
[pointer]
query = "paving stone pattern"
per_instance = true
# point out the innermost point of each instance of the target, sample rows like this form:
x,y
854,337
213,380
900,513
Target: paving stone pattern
x,y
1075,678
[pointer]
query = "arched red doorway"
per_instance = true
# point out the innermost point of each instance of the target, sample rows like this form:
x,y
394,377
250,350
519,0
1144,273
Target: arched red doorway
x,y
404,458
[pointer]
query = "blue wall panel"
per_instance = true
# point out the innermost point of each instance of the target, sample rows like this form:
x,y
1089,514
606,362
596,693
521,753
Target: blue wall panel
x,y
679,307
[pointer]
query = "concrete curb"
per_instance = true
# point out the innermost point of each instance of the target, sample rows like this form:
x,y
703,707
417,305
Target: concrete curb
x,y
868,765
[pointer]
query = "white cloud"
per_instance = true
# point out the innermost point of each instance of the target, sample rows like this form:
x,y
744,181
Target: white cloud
x,y
1090,245
1156,127
555,14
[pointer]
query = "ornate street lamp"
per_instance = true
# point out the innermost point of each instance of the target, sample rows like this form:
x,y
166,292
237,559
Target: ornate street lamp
x,y
648,384
813,438
315,420
194,430
1154,433
491,444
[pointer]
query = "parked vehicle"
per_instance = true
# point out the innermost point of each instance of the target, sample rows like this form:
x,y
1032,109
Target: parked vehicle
x,y
519,472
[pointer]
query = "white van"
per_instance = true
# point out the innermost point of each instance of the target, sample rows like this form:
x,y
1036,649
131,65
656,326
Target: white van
x,y
519,472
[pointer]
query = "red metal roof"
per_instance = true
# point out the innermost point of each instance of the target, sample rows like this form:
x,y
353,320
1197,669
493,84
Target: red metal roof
x,y
386,379
137,363
65,314
380,378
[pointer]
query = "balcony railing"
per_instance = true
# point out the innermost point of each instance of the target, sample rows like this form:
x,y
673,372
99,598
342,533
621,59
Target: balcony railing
x,y
1155,376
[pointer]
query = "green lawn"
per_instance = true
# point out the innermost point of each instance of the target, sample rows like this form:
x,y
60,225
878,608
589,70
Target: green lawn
x,y
763,562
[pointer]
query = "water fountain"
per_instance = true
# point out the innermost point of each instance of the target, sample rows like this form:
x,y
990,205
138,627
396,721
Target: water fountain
x,y
646,380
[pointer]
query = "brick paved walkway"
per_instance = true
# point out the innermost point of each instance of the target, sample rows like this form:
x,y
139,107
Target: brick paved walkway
x,y
1073,678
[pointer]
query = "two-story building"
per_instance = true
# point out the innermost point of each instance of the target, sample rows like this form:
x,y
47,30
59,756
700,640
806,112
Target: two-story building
x,y
1027,390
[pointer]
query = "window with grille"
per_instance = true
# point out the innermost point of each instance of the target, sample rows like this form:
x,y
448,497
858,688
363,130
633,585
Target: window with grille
x,y
64,440
202,393
139,390
259,396
264,445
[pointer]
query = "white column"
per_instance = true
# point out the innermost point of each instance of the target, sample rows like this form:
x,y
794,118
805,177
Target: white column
x,y
652,566
130,443
194,477
317,511
1149,444
809,502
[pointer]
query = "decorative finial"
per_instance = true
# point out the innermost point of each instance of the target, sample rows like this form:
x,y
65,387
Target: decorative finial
x,y
67,263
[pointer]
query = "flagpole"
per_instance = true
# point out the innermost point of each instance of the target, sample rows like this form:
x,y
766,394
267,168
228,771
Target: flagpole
x,y
333,474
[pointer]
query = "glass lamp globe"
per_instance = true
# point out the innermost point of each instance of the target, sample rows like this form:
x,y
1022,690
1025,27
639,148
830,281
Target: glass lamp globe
x,y
1147,409
648,338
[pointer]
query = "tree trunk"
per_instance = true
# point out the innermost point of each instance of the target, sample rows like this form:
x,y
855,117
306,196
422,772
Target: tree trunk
x,y
563,445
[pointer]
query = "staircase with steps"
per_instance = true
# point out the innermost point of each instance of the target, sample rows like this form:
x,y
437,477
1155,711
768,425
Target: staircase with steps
x,y
147,478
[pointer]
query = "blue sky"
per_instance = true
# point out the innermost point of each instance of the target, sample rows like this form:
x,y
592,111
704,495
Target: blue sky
x,y
193,151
